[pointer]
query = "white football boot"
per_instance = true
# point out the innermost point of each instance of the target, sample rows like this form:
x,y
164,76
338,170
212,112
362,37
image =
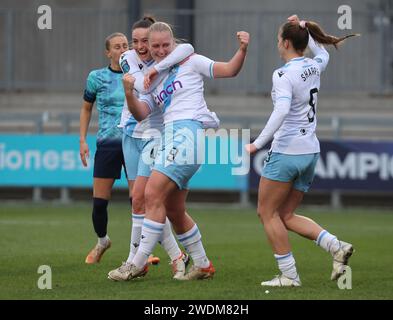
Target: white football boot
x,y
196,273
179,266
340,259
127,271
282,281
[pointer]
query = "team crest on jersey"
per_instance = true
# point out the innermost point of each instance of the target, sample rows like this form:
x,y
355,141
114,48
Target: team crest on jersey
x,y
125,66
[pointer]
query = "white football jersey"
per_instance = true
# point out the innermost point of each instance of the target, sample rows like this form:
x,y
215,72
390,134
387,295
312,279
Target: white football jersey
x,y
294,94
132,64
180,94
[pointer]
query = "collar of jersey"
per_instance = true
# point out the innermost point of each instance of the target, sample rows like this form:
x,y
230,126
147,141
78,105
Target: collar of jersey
x,y
114,71
292,60
149,63
298,59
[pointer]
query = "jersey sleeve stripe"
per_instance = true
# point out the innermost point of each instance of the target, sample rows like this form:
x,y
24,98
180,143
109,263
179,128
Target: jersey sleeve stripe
x,y
211,70
89,97
148,103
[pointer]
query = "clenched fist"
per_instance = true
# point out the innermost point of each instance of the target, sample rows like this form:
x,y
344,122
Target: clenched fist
x,y
244,39
128,82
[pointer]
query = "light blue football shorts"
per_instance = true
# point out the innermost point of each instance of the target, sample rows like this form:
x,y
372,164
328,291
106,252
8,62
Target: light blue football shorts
x,y
300,169
139,155
178,154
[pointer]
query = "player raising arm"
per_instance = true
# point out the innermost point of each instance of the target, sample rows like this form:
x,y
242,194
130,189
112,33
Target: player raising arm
x,y
180,97
140,140
289,168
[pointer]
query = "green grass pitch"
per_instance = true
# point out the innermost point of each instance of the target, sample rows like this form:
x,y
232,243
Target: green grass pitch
x,y
61,236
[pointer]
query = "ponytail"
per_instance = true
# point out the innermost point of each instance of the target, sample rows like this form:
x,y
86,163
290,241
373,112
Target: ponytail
x,y
321,37
297,33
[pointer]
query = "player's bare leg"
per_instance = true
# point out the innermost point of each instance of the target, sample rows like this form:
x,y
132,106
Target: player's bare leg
x,y
341,251
271,195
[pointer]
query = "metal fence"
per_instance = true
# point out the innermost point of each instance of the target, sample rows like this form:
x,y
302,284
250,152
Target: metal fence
x,y
61,58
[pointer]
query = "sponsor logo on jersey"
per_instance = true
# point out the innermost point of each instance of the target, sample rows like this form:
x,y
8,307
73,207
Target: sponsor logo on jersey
x,y
167,91
280,73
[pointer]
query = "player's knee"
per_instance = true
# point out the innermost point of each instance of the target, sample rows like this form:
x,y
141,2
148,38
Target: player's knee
x,y
260,214
138,201
286,217
152,198
266,214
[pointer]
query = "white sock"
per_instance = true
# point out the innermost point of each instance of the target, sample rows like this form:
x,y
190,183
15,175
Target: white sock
x,y
103,241
328,242
136,230
287,265
169,243
191,241
151,233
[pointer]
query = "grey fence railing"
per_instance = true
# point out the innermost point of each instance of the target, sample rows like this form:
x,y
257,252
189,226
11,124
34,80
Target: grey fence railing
x,y
377,128
61,58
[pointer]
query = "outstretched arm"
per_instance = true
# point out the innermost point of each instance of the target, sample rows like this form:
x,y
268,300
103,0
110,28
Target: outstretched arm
x,y
139,109
232,67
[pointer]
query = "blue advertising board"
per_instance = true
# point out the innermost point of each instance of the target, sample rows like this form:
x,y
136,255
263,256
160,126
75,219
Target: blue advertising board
x,y
345,165
53,161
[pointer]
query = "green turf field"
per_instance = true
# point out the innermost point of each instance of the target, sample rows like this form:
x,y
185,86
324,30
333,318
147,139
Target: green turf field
x,y
234,240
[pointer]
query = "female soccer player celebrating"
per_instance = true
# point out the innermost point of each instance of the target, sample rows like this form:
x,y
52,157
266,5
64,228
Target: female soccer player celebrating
x,y
290,165
140,142
180,97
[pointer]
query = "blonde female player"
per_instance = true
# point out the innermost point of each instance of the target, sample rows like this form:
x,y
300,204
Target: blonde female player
x,y
180,97
139,144
289,168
